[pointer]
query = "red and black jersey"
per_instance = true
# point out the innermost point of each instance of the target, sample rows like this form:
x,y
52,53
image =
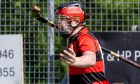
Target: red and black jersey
x,y
82,42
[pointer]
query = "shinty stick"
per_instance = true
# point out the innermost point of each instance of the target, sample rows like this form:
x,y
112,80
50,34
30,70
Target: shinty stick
x,y
36,12
122,58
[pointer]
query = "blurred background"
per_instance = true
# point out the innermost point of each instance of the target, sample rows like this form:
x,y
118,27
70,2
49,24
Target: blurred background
x,y
42,45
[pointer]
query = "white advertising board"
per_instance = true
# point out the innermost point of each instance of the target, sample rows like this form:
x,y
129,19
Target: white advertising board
x,y
11,59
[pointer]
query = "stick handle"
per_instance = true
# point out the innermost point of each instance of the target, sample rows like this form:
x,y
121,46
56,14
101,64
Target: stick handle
x,y
130,62
36,12
43,20
122,58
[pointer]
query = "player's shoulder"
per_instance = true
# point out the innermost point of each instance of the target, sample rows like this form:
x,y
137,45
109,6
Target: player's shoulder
x,y
86,36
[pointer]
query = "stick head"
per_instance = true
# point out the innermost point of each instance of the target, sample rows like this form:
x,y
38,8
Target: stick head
x,y
36,9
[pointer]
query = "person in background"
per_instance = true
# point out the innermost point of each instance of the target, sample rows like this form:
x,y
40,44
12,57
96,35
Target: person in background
x,y
83,53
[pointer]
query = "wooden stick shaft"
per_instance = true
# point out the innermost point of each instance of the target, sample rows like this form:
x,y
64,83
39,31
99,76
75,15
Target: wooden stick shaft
x,y
122,58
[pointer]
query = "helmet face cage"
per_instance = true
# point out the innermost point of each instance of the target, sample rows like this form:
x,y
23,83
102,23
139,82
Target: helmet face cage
x,y
59,18
69,15
64,23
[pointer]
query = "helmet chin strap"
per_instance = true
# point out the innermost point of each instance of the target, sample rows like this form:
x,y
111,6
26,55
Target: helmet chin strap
x,y
75,27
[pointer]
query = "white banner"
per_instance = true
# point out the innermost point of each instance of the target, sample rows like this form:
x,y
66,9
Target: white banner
x,y
11,59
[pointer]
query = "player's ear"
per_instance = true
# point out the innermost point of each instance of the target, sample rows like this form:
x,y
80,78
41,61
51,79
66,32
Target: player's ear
x,y
77,19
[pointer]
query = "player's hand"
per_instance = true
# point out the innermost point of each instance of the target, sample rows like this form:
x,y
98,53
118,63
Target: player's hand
x,y
68,56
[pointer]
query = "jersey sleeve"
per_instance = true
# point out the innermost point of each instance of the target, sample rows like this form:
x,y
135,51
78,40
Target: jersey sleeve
x,y
86,43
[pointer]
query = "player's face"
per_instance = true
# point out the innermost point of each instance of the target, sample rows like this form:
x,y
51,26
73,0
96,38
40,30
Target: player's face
x,y
64,23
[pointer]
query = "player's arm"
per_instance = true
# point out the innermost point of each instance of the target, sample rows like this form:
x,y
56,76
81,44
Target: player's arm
x,y
87,59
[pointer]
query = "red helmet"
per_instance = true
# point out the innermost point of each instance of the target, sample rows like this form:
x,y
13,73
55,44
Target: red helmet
x,y
72,10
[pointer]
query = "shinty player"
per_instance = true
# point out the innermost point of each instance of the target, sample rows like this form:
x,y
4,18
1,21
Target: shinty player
x,y
83,54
